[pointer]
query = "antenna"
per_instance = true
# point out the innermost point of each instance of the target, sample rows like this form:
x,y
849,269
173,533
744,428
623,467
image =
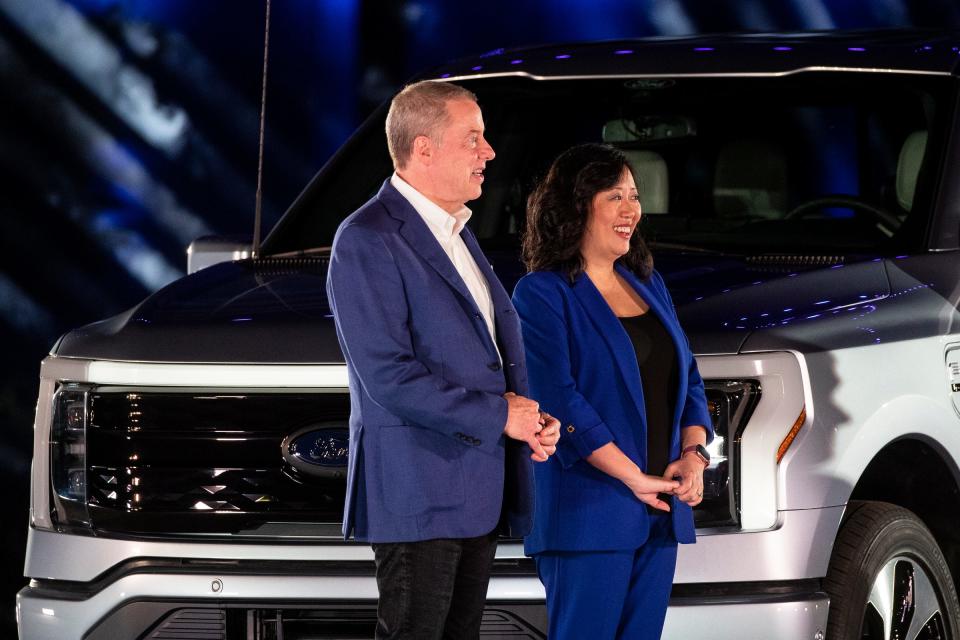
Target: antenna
x,y
255,249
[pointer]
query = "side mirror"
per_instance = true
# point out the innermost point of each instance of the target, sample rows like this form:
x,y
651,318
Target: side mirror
x,y
210,250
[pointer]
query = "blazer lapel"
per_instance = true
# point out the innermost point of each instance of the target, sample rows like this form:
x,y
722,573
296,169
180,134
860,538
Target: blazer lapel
x,y
498,295
613,334
659,306
415,231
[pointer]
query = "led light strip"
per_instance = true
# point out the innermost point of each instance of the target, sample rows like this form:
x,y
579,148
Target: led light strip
x,y
205,375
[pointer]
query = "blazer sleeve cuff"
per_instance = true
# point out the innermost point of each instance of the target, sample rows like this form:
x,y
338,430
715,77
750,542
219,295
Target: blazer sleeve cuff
x,y
493,437
576,444
697,416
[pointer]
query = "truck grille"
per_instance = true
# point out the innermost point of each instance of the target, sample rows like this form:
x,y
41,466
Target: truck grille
x,y
188,463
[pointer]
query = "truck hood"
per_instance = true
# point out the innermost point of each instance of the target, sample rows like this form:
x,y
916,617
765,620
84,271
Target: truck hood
x,y
277,311
724,304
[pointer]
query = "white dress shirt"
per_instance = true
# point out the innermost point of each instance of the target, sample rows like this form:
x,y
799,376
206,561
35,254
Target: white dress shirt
x,y
446,229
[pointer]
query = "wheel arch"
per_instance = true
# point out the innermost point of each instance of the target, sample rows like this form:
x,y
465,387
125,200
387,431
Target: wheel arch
x,y
918,474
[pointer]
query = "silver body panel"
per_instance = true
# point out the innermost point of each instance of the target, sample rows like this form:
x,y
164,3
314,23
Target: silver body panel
x,y
801,619
714,558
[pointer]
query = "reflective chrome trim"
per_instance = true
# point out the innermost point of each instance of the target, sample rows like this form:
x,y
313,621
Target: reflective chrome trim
x,y
744,74
195,375
40,469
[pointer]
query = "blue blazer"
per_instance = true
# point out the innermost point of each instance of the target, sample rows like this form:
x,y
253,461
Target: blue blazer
x,y
428,458
583,370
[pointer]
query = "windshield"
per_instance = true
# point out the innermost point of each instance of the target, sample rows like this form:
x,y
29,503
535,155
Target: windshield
x,y
827,163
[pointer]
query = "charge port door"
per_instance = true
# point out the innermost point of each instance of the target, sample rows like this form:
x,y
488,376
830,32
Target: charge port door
x,y
953,375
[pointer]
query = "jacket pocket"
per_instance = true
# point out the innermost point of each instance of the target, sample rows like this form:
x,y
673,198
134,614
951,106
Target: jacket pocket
x,y
421,470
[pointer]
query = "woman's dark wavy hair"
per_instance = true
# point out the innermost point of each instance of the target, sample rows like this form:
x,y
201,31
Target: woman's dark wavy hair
x,y
559,206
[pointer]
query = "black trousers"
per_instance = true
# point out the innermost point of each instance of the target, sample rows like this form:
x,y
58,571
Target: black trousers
x,y
434,589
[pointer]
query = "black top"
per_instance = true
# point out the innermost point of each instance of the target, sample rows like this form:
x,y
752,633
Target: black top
x,y
657,357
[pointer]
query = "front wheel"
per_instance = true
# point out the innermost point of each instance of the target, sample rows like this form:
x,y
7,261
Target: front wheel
x,y
888,579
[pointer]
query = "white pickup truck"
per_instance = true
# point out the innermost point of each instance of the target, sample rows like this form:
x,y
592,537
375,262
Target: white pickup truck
x,y
800,194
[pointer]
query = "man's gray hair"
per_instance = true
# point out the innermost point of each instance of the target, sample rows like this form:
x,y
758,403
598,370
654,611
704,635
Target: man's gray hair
x,y
420,109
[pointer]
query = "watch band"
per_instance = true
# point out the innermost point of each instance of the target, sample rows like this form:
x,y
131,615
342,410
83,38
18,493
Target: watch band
x,y
698,449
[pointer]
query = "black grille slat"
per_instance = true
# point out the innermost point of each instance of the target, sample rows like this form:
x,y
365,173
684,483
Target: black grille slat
x,y
189,463
192,624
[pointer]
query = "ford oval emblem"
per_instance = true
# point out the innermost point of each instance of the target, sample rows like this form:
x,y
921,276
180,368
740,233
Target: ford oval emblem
x,y
319,450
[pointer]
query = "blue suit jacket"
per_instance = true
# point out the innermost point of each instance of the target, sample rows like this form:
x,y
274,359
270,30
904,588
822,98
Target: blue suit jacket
x,y
428,458
583,370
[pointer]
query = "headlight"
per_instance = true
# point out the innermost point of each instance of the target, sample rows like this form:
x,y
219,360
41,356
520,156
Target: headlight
x,y
68,455
730,402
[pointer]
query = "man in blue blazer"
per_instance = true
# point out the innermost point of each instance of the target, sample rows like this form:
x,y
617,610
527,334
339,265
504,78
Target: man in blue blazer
x,y
441,435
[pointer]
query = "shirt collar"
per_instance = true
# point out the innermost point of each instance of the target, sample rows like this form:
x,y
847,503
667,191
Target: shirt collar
x,y
443,225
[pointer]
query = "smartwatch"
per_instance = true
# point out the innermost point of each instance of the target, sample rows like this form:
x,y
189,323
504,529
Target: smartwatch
x,y
701,452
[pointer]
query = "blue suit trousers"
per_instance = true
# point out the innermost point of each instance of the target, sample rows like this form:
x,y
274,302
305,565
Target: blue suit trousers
x,y
603,595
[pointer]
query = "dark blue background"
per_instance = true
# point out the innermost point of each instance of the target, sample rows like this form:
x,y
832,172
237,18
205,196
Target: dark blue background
x,y
96,216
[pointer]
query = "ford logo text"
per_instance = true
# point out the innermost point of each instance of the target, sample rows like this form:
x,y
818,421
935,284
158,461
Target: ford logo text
x,y
318,451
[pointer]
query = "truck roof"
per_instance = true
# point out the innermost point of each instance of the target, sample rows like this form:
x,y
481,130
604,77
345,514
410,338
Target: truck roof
x,y
905,51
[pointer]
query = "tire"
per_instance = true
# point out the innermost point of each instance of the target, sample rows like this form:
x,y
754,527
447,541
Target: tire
x,y
888,579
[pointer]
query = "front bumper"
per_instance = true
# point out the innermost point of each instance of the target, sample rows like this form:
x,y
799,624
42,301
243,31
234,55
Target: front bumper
x,y
224,607
93,588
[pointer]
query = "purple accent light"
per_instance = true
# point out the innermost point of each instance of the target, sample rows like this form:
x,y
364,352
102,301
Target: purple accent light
x,y
857,49
517,61
783,48
446,75
477,68
703,48
623,52
562,56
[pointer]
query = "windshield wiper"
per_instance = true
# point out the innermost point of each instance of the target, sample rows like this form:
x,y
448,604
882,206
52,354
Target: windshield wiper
x,y
313,251
689,248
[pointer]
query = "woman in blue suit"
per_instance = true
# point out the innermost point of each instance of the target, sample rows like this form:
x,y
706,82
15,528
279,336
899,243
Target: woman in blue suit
x,y
607,357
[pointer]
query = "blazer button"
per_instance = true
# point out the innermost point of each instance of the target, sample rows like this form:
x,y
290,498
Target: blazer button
x,y
494,366
571,428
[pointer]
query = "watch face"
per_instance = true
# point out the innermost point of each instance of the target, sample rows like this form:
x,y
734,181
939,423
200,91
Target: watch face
x,y
703,453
